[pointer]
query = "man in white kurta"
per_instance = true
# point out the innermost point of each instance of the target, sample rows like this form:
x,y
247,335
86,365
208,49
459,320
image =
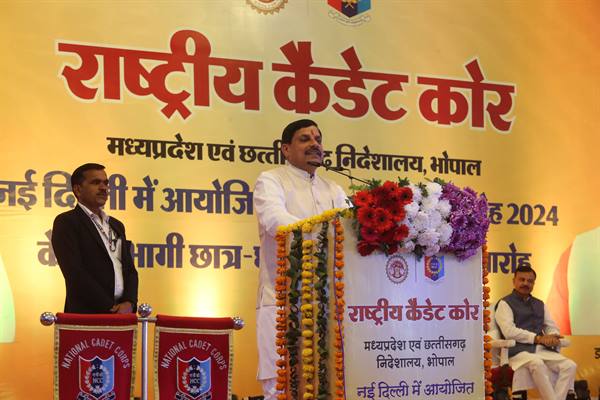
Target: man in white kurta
x,y
526,319
283,196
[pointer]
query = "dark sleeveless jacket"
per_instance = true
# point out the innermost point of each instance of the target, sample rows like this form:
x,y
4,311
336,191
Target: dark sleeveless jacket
x,y
529,315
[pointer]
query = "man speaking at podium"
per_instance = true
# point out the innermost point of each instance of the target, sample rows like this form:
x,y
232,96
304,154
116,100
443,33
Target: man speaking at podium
x,y
283,196
92,250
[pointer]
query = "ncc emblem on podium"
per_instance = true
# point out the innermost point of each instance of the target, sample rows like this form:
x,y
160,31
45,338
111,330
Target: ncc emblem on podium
x,y
193,379
434,268
96,378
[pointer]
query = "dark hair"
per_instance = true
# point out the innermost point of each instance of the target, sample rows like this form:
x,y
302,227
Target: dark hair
x,y
288,132
524,268
77,177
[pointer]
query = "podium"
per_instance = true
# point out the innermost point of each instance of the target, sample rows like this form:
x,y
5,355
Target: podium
x,y
378,326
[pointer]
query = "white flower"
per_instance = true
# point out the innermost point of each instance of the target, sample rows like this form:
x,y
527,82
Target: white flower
x,y
408,245
445,231
444,208
435,218
411,209
433,189
412,232
432,250
428,238
421,221
429,203
417,196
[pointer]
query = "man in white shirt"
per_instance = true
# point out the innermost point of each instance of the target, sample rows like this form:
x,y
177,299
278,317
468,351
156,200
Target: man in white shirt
x,y
92,250
283,196
526,319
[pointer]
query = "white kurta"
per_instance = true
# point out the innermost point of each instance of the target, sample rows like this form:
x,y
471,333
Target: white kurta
x,y
550,372
506,323
283,196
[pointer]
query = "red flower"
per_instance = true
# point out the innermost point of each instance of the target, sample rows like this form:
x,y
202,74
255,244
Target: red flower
x,y
401,233
387,237
391,188
367,216
406,195
369,234
383,219
363,199
365,248
380,195
397,212
392,248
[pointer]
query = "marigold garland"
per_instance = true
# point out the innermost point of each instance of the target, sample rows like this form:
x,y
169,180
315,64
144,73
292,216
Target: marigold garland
x,y
340,393
306,309
487,355
281,321
321,284
293,321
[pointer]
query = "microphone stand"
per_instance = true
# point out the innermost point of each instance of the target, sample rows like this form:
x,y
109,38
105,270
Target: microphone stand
x,y
341,172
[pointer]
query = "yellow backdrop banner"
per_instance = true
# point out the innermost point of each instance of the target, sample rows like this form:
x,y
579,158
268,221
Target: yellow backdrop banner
x,y
184,102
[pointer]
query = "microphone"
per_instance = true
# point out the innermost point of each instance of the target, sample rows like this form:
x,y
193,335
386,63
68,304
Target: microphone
x,y
338,170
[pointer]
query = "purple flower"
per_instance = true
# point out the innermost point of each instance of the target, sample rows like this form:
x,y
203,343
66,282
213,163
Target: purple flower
x,y
468,219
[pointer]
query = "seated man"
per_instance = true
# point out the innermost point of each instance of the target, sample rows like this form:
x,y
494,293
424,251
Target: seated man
x,y
525,319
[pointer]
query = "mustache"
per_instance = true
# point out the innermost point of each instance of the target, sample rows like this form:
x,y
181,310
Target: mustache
x,y
314,150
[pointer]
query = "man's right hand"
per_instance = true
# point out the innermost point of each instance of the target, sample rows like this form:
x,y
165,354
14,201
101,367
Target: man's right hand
x,y
550,340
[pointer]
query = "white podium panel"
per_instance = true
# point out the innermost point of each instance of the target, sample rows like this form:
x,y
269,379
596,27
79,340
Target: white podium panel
x,y
413,328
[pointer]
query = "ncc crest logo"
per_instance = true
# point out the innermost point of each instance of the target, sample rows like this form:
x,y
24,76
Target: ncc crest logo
x,y
96,378
434,268
193,379
350,12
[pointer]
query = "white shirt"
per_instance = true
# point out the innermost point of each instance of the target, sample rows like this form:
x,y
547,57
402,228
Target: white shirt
x,y
283,196
106,233
506,322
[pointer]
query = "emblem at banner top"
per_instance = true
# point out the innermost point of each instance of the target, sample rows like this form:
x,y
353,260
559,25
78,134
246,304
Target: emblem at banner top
x,y
96,378
434,267
267,6
396,269
350,12
193,379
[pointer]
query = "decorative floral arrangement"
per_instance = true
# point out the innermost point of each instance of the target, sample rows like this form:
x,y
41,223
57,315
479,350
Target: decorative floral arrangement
x,y
469,220
380,212
302,299
423,218
427,220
